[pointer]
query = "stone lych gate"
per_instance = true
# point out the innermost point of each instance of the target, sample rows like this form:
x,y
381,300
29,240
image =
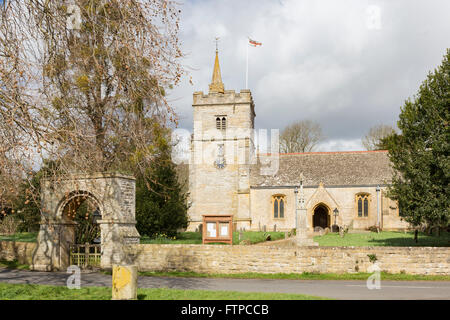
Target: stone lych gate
x,y
114,196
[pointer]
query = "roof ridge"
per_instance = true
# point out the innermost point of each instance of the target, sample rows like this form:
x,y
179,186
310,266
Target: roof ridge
x,y
326,152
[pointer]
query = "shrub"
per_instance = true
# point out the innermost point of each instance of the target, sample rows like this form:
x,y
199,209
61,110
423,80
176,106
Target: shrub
x,y
374,229
372,257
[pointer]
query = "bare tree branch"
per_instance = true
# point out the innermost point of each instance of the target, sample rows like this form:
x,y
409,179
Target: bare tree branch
x,y
373,139
88,95
301,136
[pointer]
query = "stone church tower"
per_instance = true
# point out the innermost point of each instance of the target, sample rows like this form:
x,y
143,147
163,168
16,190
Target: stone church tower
x,y
222,149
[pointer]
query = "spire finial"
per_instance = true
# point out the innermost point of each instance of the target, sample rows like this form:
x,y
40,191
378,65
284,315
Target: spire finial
x,y
216,83
217,44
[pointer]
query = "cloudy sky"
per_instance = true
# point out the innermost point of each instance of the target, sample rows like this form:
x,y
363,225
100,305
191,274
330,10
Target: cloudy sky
x,y
348,65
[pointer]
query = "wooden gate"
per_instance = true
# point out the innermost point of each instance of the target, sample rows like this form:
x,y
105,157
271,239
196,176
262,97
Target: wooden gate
x,y
85,255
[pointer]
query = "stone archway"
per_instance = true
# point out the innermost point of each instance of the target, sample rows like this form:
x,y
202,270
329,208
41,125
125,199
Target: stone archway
x,y
72,231
321,216
113,194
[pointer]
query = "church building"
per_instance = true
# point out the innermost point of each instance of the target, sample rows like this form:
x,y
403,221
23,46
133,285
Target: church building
x,y
227,174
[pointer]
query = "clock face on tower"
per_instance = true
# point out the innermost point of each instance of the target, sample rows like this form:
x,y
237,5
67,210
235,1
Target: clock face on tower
x,y
220,163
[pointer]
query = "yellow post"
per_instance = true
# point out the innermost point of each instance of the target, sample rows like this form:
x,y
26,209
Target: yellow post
x,y
124,282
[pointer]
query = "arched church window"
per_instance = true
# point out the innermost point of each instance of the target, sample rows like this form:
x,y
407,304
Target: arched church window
x,y
281,208
275,208
362,201
279,203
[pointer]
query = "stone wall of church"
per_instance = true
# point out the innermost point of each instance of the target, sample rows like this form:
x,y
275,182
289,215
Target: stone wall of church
x,y
343,198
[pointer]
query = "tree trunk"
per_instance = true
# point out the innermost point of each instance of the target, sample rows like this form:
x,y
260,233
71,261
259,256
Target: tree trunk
x,y
416,234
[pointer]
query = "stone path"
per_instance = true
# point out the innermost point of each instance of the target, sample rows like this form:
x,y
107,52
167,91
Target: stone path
x,y
337,289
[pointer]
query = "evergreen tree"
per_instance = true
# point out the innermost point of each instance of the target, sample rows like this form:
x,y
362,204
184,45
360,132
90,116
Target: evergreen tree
x,y
161,205
420,153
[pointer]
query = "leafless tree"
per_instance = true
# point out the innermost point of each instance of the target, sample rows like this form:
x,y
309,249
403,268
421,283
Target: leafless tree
x,y
373,139
301,136
83,83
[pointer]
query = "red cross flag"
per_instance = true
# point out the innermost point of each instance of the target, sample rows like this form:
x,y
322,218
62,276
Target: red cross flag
x,y
254,43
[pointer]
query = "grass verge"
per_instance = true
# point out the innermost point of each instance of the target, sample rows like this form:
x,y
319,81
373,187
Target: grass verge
x,y
301,276
44,292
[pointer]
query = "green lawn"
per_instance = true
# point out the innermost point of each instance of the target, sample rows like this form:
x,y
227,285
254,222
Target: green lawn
x,y
43,292
384,238
20,237
181,238
196,238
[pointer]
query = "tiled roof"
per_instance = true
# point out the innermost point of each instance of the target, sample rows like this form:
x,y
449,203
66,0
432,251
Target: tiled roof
x,y
330,168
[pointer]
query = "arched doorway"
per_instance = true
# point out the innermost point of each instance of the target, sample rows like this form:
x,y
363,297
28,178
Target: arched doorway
x,y
83,209
321,217
81,235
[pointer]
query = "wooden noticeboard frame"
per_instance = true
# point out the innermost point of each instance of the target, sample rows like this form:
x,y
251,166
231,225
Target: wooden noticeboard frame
x,y
217,228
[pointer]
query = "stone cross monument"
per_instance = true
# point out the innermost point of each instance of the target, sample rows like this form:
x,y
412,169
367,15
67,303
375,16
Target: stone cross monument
x,y
302,238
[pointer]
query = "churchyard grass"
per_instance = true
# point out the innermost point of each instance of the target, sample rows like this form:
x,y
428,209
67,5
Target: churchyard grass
x,y
180,238
44,292
196,238
385,239
20,237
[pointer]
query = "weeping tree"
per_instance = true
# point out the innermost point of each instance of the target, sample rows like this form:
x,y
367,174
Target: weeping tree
x,y
83,83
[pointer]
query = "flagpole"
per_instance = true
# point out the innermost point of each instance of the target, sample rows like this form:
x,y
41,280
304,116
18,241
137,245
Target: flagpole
x,y
246,71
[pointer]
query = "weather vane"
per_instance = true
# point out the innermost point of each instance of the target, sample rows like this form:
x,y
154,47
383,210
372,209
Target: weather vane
x,y
217,43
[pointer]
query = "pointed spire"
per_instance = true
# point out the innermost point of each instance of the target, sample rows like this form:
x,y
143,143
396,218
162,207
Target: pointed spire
x,y
216,83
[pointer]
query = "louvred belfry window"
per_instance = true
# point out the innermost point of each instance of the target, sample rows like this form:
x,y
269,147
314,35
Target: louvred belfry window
x,y
218,123
224,123
221,122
